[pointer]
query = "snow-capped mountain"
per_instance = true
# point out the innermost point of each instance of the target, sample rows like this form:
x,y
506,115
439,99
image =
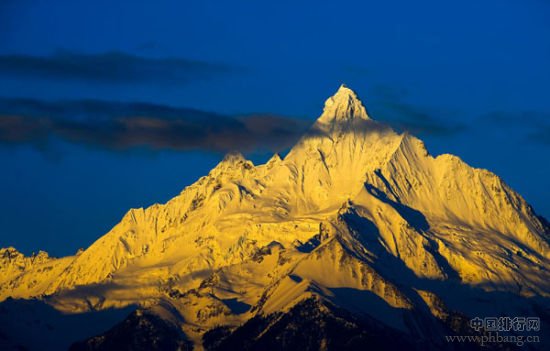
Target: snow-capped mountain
x,y
358,227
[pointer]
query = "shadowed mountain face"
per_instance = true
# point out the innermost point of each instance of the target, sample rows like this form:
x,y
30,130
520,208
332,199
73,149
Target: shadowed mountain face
x,y
358,237
140,331
309,325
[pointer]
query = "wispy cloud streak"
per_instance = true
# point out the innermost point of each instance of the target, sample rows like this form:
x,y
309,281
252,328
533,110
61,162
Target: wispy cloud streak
x,y
533,126
405,115
108,68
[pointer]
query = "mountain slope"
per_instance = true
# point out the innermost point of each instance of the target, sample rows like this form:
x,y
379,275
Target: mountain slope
x,y
356,215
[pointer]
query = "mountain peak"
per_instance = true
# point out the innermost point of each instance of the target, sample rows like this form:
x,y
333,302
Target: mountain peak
x,y
231,163
343,105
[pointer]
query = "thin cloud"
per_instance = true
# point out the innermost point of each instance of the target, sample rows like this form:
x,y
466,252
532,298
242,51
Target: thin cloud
x,y
396,110
418,120
533,126
526,119
403,115
126,126
108,68
541,135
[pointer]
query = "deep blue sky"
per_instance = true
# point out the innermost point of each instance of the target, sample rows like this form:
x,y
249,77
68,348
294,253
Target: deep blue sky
x,y
469,77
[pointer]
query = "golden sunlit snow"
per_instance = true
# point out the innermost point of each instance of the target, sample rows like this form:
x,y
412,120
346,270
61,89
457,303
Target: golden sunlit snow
x,y
354,205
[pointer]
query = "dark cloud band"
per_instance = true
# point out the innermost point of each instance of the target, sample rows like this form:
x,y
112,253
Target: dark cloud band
x,y
123,126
